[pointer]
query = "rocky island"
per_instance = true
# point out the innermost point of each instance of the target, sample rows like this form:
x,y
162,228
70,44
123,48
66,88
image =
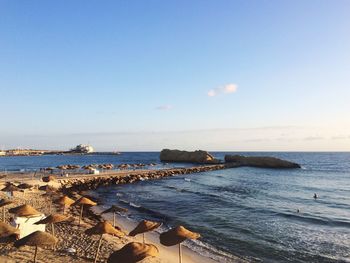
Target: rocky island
x,y
201,157
259,161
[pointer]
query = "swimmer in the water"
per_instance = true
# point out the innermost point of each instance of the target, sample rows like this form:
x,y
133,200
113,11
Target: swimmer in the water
x,y
315,196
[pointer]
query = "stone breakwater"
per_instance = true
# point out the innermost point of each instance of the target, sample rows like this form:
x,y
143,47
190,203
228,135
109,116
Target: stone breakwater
x,y
94,181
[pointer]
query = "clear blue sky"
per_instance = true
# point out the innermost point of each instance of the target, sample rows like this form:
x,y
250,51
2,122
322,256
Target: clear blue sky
x,y
136,75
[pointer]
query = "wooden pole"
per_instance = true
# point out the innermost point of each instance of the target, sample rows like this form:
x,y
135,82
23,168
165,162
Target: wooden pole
x,y
144,238
113,219
81,213
3,214
180,254
64,209
36,251
53,229
98,248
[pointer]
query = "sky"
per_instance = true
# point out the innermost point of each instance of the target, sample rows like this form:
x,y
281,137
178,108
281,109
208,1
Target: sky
x,y
252,75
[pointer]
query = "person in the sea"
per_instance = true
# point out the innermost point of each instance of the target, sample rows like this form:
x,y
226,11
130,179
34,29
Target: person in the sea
x,y
315,196
298,210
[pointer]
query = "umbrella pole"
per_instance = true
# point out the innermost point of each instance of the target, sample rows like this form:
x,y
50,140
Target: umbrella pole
x,y
49,206
64,209
53,229
3,214
98,248
36,251
81,213
144,238
114,219
180,254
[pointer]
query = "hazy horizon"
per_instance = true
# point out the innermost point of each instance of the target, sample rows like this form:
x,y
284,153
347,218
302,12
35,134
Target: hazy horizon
x,y
148,75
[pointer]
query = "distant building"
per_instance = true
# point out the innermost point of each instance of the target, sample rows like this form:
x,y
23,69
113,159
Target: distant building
x,y
2,153
83,148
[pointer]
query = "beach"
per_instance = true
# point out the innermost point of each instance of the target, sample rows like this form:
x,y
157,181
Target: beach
x,y
71,235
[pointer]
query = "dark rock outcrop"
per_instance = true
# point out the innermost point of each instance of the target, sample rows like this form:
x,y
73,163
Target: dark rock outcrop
x,y
202,157
263,161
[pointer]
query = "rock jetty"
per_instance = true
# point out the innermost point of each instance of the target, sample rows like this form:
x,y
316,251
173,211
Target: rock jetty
x,y
199,156
259,161
92,182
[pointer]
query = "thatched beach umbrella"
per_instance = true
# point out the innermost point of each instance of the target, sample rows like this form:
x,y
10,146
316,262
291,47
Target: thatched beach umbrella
x,y
24,211
83,201
10,188
65,202
24,186
62,167
49,178
47,188
176,236
52,219
3,203
7,231
143,227
50,169
133,252
37,239
50,193
100,229
115,209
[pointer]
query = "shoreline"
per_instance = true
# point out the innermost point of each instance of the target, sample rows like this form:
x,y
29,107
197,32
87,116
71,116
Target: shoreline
x,y
166,255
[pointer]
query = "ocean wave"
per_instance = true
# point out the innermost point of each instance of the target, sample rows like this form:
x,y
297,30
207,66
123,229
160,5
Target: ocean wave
x,y
314,220
145,210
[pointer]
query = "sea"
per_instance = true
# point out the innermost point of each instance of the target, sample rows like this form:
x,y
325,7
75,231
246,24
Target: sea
x,y
256,214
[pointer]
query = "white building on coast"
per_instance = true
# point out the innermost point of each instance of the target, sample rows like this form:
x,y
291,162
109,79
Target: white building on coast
x,y
83,148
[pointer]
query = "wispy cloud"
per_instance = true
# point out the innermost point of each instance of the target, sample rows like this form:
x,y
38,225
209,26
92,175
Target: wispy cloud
x,y
164,107
228,88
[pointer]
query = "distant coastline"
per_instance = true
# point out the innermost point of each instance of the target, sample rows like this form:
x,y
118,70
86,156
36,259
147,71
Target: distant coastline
x,y
30,152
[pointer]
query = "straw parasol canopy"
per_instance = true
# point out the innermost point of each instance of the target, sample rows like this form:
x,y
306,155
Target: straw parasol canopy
x,y
37,239
65,202
7,231
10,188
104,228
24,186
47,188
176,236
115,209
100,229
49,178
52,219
3,203
84,201
62,167
24,210
143,227
133,252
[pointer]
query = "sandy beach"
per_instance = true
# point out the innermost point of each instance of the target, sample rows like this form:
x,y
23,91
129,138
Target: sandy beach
x,y
72,236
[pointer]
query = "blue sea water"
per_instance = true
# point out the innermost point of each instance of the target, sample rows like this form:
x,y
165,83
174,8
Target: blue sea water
x,y
246,212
